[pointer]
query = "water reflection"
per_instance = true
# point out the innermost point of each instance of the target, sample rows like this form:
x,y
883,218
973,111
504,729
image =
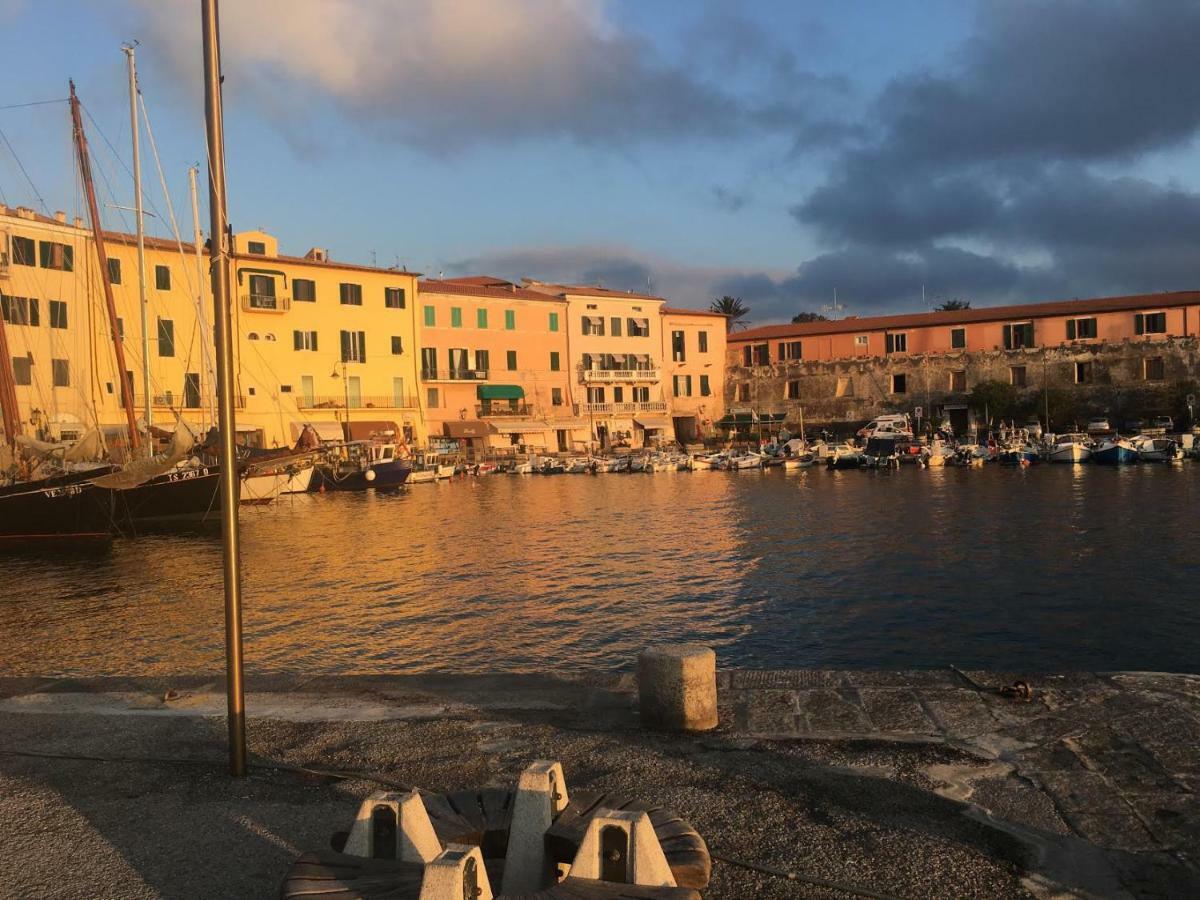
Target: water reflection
x,y
1049,567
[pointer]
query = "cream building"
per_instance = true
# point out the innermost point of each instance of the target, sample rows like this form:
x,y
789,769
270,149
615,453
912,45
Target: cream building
x,y
694,368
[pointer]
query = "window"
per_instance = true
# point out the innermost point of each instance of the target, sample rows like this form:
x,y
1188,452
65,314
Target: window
x,y
789,350
762,354
482,361
743,392
615,326
641,395
618,394
56,256
1083,373
262,292
354,346
252,336
595,395
896,343
510,320
682,385
114,271
456,317
285,389
860,340
793,390
556,397
1016,376
20,310
510,360
62,372
257,248
399,398
431,398
430,317
23,251
1018,336
958,381
350,294
705,390
958,338
747,356
162,277
397,345
899,384
481,318
1150,323
428,362
554,361
456,359
1152,368
304,340
304,290
844,388
593,325
58,314
191,390
23,370
554,321
678,351
166,337
120,328
638,327
1081,329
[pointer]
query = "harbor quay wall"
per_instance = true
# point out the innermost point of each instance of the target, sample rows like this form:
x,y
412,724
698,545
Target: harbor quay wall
x,y
1123,380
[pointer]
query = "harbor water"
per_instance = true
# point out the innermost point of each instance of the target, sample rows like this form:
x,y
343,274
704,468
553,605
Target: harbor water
x,y
1046,568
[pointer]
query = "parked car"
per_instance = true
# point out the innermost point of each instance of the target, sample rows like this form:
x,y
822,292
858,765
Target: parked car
x,y
1164,422
1098,425
1135,426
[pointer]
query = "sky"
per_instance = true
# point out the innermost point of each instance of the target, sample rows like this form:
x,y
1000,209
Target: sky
x,y
898,154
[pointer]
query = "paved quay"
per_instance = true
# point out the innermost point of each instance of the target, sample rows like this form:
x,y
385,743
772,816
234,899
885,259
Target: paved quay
x,y
912,784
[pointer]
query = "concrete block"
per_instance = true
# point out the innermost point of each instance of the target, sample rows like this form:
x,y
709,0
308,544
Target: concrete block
x,y
622,847
677,687
541,795
393,826
456,874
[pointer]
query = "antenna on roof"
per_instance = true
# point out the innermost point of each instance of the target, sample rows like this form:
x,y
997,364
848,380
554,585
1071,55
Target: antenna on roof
x,y
834,308
373,262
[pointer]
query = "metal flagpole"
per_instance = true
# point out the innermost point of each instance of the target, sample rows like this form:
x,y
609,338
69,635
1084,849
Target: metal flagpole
x,y
219,259
141,242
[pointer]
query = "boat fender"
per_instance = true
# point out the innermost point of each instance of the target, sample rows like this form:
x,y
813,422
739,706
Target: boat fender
x,y
370,476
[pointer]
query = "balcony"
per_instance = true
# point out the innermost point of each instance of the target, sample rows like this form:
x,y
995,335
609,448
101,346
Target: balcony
x,y
266,303
171,400
338,401
609,409
603,376
454,375
502,409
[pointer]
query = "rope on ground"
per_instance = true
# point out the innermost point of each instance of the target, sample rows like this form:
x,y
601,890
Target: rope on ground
x,y
805,879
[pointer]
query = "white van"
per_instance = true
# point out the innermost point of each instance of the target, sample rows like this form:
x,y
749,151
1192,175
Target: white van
x,y
895,423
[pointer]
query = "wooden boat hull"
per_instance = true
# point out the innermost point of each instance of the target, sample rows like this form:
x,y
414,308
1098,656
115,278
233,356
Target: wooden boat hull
x,y
180,498
263,487
67,509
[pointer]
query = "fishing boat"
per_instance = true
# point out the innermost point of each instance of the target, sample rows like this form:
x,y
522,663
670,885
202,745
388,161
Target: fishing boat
x,y
882,451
1071,448
1017,454
264,480
844,456
1152,448
548,465
803,460
1114,451
747,460
361,465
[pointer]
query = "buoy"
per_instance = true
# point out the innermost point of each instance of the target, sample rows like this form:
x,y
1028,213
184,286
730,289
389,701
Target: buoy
x,y
370,475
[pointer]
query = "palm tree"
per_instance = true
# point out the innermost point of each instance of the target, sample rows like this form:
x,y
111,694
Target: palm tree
x,y
732,308
953,305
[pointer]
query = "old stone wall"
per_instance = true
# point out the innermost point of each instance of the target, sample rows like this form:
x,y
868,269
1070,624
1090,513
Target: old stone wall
x,y
1121,380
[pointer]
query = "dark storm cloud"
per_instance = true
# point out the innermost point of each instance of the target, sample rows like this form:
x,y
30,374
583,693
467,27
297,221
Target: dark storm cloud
x,y
1013,150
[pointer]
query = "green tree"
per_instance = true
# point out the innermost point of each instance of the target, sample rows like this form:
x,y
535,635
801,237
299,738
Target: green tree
x,y
953,305
996,399
802,318
732,308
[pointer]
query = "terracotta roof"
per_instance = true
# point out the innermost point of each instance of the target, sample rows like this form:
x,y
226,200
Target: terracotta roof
x,y
480,280
968,316
585,290
680,311
494,289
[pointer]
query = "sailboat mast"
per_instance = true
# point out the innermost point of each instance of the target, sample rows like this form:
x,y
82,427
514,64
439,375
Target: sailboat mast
x,y
10,412
198,235
89,188
141,234
219,263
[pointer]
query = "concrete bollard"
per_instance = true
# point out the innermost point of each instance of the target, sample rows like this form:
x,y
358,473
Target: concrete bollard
x,y
541,795
456,874
621,847
393,826
677,687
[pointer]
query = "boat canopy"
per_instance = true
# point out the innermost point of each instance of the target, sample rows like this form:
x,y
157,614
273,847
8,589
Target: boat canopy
x,y
366,429
500,392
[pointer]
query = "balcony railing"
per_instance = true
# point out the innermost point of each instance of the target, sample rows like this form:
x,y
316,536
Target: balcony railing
x,y
266,303
454,375
648,406
501,408
607,375
338,401
171,400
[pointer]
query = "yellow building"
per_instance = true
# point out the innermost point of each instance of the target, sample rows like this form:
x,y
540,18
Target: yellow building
x,y
694,360
494,367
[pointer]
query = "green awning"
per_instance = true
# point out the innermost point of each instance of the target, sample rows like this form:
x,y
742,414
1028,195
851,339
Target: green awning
x,y
500,392
735,419
768,418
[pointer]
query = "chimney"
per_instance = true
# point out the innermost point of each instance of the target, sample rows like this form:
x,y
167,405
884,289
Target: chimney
x,y
60,216
317,254
78,222
24,212
3,209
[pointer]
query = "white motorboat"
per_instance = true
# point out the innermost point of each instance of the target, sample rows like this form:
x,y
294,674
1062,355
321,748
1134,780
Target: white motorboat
x,y
525,468
1157,449
802,460
263,484
578,466
422,476
445,471
1071,448
746,461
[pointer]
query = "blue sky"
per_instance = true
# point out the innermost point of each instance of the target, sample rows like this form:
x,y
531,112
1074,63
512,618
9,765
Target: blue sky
x,y
996,151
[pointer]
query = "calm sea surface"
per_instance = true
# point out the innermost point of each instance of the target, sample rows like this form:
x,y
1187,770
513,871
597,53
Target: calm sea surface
x,y
1054,567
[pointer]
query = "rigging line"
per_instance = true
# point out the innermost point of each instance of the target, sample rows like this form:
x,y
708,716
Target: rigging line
x,y
153,209
21,166
33,103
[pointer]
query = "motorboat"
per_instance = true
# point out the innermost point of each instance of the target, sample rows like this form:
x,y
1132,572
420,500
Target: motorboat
x,y
525,468
882,451
422,476
548,465
802,460
1018,454
1157,449
1071,448
262,482
365,464
1115,451
578,466
746,460
845,456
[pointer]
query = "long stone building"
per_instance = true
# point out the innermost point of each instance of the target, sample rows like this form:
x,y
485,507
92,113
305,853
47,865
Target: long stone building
x,y
1123,357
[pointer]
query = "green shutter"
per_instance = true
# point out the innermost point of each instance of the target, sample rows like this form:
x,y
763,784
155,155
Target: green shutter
x,y
1008,337
345,346
296,340
1070,329
510,319
481,318
1139,323
890,343
430,317
553,360
554,321
1028,330
456,317
511,357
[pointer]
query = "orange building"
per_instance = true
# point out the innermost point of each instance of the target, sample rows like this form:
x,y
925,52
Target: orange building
x,y
694,366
